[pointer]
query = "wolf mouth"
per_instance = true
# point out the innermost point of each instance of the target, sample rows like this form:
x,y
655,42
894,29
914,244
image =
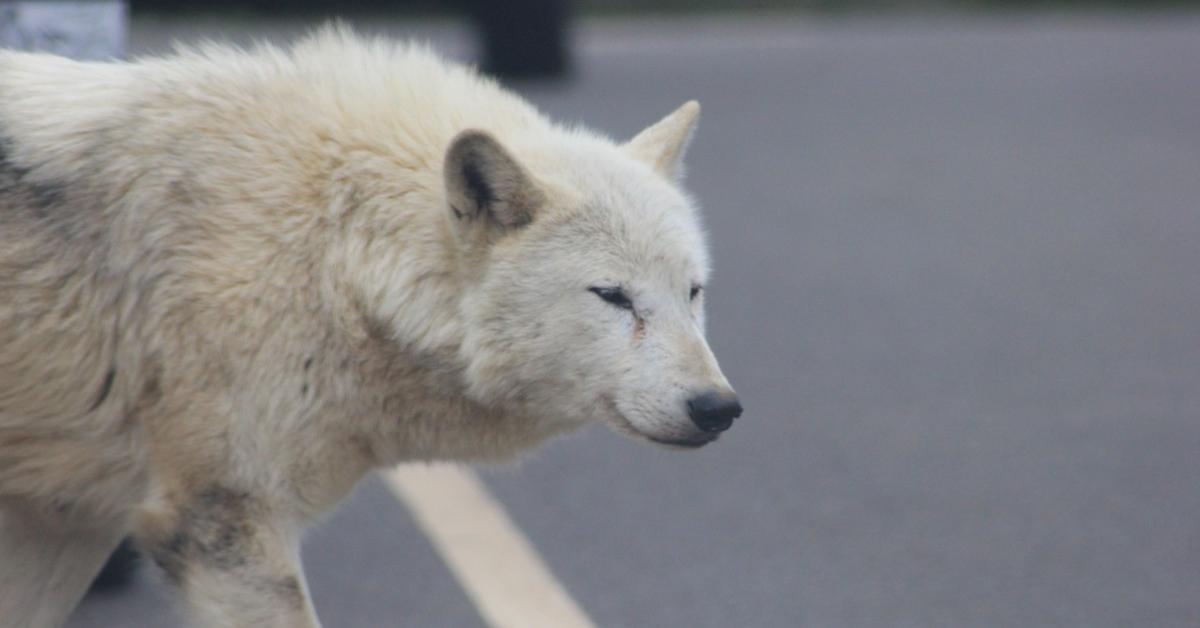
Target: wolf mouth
x,y
625,426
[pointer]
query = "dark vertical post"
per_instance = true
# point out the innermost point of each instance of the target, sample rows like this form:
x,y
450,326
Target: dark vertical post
x,y
523,38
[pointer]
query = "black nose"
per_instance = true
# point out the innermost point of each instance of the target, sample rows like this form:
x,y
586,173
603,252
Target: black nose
x,y
714,411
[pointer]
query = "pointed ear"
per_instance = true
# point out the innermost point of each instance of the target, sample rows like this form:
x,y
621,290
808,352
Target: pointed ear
x,y
486,184
662,144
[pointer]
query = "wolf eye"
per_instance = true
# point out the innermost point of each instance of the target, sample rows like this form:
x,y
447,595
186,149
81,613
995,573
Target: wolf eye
x,y
696,288
614,296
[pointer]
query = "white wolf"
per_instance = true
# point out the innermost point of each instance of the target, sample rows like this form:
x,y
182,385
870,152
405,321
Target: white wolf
x,y
232,283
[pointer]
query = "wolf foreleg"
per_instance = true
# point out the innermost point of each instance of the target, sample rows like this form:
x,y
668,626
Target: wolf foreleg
x,y
237,564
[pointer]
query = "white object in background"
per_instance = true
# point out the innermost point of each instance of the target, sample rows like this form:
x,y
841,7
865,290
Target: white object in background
x,y
93,29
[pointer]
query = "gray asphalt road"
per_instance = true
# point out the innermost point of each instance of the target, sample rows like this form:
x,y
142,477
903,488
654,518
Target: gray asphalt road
x,y
957,288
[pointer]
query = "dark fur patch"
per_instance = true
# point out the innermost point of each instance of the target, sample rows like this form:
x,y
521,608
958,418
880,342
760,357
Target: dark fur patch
x,y
286,589
45,195
105,389
215,529
43,200
304,386
222,526
151,393
151,390
14,179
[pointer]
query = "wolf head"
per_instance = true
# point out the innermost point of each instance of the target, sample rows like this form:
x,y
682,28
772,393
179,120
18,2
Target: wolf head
x,y
588,268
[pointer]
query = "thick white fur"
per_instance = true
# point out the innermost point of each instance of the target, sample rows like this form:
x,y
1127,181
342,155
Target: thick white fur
x,y
233,282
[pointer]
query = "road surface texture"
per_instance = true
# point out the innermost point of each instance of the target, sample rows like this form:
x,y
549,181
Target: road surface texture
x,y
958,288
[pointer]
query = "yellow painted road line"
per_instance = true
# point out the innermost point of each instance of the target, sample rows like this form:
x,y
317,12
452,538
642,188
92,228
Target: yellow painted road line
x,y
500,570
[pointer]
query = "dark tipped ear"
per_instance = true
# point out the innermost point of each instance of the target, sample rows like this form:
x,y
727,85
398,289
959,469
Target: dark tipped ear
x,y
485,183
662,144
